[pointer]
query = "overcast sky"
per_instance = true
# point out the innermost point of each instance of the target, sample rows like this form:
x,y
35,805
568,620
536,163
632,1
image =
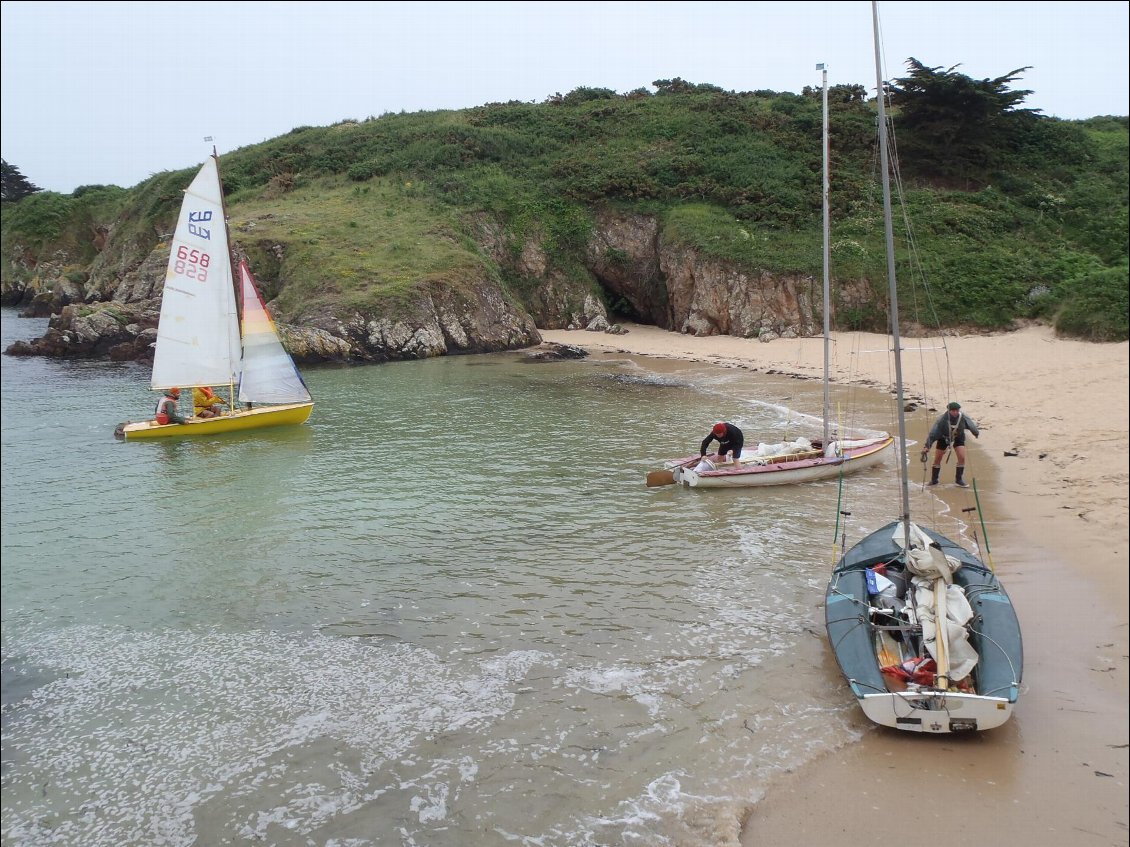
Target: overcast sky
x,y
113,92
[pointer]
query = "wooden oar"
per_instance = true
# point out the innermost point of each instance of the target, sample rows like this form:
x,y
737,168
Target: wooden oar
x,y
667,477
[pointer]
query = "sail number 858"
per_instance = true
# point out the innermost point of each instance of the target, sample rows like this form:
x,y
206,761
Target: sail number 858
x,y
192,263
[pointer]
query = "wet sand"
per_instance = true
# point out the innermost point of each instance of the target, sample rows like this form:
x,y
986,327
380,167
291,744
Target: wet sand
x,y
1052,473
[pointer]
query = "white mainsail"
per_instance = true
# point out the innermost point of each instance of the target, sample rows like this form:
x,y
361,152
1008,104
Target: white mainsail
x,y
198,334
269,374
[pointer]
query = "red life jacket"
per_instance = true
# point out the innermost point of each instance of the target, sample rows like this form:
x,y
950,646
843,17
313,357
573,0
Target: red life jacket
x,y
917,670
161,412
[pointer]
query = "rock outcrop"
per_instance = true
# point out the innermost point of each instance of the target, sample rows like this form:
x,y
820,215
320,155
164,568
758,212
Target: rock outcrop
x,y
118,331
628,269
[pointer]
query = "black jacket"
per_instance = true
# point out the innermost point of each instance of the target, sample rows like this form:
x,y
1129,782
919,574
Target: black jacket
x,y
731,441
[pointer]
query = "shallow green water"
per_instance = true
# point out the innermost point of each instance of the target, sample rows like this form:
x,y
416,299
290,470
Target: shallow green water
x,y
446,611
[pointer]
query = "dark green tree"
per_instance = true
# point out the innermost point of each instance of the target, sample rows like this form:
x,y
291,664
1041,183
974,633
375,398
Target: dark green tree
x,y
681,86
584,94
838,93
16,185
954,129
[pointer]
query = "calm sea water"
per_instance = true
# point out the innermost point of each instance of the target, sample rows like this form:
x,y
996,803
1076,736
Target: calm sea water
x,y
446,611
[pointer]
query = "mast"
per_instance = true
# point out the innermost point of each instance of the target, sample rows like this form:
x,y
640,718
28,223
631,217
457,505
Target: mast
x,y
827,251
891,277
236,291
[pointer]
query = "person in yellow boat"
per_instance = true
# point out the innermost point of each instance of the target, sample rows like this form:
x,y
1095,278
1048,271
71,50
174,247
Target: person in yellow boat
x,y
166,411
205,403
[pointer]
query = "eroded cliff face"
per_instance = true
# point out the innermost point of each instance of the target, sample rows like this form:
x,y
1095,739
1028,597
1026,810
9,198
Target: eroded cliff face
x,y
676,288
442,321
114,315
709,297
624,255
627,268
551,295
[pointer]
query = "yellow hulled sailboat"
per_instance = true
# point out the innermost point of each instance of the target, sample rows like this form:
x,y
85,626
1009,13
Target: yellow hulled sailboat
x,y
204,339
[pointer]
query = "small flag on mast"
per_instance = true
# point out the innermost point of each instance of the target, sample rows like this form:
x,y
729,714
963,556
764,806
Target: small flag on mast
x,y
209,138
820,67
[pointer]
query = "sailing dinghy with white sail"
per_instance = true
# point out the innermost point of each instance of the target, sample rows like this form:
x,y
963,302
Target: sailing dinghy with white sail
x,y
202,340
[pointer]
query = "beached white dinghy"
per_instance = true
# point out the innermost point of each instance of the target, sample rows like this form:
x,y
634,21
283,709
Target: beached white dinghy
x,y
783,464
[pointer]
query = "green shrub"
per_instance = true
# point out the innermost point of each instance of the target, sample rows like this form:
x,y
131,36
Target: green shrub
x,y
39,218
1097,307
363,171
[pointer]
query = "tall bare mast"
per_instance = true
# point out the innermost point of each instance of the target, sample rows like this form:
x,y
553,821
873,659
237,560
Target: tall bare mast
x,y
892,280
827,256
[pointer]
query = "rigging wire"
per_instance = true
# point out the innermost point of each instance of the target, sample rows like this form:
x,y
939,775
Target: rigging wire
x,y
924,305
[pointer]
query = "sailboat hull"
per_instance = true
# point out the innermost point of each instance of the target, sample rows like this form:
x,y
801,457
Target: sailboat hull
x,y
858,633
243,419
785,471
936,712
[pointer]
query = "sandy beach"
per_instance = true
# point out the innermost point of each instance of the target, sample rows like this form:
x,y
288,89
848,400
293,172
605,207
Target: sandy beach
x,y
1053,416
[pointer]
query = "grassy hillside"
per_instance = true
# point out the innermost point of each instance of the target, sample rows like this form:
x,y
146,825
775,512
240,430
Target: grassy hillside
x,y
371,209
352,244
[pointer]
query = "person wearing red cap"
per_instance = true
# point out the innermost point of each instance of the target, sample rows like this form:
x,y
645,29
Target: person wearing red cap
x,y
729,438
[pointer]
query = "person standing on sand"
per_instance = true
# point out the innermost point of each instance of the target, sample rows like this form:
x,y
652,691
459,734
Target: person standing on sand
x,y
949,431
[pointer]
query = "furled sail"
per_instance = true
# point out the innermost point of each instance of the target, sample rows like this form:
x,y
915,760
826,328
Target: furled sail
x,y
269,374
198,335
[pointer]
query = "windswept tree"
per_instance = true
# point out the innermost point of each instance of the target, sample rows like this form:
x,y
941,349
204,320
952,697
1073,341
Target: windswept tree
x,y
582,95
838,93
954,128
681,86
16,185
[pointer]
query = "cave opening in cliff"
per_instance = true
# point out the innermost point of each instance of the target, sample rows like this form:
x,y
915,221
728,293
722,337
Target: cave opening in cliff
x,y
620,310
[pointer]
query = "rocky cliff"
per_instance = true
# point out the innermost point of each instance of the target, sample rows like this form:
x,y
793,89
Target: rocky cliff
x,y
627,263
